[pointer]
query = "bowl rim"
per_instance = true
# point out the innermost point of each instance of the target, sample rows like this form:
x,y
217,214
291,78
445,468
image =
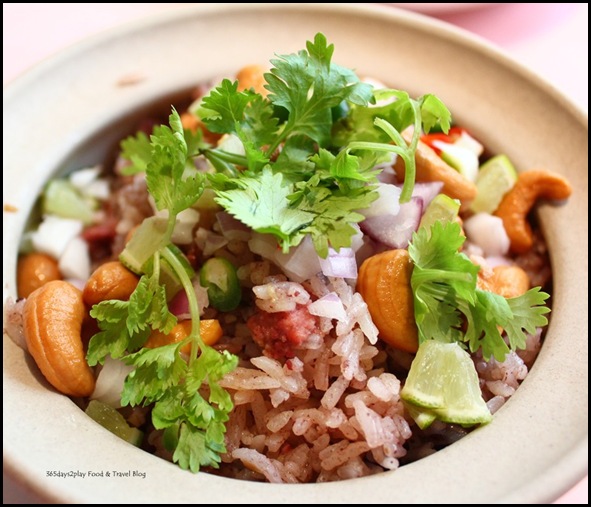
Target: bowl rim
x,y
576,459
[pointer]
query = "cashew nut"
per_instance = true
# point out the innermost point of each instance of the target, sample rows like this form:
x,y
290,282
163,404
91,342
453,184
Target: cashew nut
x,y
35,270
506,281
430,167
384,284
52,321
517,203
111,280
252,76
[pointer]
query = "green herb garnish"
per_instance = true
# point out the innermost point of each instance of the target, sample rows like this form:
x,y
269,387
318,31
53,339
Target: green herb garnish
x,y
444,285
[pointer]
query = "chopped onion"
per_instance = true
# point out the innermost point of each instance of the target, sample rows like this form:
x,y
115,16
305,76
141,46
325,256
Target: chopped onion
x,y
54,233
427,191
264,245
232,228
329,306
386,204
13,321
208,242
301,263
341,264
395,231
467,141
84,177
179,304
487,232
75,260
186,221
109,383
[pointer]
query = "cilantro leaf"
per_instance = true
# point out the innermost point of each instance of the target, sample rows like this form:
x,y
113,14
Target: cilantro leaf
x,y
308,85
156,370
195,449
148,306
223,109
172,179
445,294
114,338
261,203
528,314
243,113
138,151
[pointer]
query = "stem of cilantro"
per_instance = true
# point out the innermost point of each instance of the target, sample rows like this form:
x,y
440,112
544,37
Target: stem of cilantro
x,y
439,275
406,151
195,336
408,154
232,158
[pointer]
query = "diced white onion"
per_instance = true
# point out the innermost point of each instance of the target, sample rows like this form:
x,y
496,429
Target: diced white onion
x,y
487,232
186,221
329,306
109,383
386,204
54,234
75,260
84,177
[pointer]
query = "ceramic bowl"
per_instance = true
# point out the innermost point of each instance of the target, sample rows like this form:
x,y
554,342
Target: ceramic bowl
x,y
71,109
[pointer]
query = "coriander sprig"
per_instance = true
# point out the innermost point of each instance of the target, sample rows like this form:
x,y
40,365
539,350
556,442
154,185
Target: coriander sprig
x,y
445,296
189,403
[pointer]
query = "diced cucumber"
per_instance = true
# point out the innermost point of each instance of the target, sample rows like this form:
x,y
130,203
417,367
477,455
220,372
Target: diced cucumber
x,y
112,420
148,238
64,200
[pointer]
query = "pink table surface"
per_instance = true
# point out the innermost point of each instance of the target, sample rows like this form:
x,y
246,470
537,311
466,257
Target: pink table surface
x,y
550,39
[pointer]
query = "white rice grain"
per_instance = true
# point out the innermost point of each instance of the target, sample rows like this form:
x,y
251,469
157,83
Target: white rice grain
x,y
334,392
275,423
258,462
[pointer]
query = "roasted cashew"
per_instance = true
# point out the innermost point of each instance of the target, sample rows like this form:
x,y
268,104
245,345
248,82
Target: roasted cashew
x,y
52,322
517,203
384,284
430,167
252,76
33,271
506,281
111,280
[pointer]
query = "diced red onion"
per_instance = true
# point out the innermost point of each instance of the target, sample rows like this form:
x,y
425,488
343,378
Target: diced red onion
x,y
395,231
232,228
13,321
341,264
179,304
301,263
357,238
208,242
329,306
427,191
